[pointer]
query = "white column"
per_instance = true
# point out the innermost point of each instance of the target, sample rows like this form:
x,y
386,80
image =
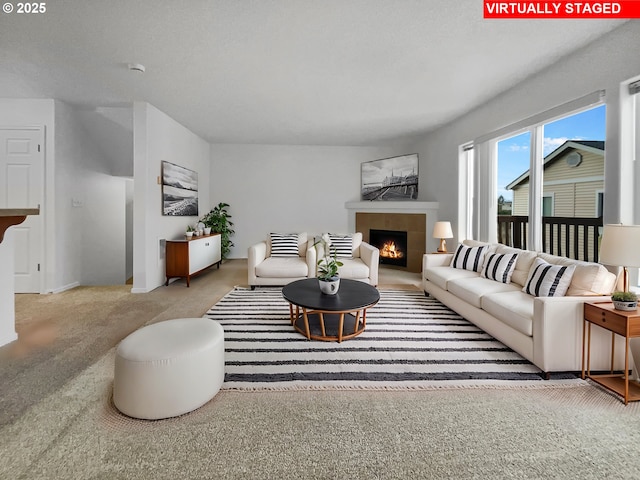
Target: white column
x,y
7,295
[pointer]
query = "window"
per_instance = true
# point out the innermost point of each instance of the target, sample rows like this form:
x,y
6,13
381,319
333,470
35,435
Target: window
x,y
546,170
547,205
465,192
599,203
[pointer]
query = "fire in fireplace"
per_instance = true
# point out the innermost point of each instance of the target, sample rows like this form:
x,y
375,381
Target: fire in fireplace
x,y
392,245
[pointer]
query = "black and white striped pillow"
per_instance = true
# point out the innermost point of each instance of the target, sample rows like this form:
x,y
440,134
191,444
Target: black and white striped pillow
x,y
469,258
547,280
499,267
284,245
343,245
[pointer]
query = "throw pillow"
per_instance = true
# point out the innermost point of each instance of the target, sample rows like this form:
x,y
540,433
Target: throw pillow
x,y
284,245
469,258
499,267
547,280
343,245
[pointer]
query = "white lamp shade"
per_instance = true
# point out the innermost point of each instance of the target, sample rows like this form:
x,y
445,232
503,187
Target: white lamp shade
x,y
620,245
442,230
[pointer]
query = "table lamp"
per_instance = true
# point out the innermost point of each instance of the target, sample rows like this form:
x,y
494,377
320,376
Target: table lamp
x,y
442,230
620,247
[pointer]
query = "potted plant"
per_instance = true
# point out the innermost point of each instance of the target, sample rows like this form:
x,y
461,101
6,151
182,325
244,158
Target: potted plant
x,y
328,277
627,301
189,232
218,221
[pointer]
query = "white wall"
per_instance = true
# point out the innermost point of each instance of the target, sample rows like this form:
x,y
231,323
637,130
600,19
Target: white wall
x,y
158,137
275,188
90,208
603,65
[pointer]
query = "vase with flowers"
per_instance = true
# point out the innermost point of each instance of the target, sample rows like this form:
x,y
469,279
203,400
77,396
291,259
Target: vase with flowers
x,y
328,264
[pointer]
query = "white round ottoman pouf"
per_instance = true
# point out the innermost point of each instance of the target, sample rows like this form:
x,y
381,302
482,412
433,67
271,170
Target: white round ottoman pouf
x,y
169,368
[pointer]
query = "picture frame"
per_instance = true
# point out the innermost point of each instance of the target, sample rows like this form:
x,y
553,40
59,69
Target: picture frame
x,y
390,179
179,190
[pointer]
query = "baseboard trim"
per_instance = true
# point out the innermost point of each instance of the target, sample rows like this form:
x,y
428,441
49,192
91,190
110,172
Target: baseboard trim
x,y
140,290
66,287
8,339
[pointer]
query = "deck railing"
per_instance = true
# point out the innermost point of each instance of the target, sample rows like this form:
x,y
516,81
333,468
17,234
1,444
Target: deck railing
x,y
572,237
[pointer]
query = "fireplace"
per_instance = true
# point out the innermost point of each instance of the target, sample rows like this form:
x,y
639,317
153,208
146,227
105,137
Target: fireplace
x,y
392,245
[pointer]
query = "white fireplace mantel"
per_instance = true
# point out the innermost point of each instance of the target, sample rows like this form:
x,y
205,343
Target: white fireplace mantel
x,y
430,209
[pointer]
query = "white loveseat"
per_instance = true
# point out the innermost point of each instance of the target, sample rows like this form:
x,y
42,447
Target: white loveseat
x,y
362,264
547,331
270,270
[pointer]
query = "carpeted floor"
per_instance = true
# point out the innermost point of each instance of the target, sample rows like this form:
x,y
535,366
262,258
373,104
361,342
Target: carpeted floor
x,y
57,421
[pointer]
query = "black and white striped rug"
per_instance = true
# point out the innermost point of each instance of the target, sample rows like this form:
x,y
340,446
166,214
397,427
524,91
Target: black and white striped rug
x,y
411,341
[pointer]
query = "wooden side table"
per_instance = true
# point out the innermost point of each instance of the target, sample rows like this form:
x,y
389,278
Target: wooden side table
x,y
626,324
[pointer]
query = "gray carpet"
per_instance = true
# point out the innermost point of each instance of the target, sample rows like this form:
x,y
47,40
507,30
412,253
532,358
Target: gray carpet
x,y
572,432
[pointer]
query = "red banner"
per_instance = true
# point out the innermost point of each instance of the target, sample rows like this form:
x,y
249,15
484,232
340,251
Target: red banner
x,y
562,9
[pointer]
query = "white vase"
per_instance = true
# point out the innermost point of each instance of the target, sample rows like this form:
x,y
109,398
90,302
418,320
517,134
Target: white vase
x,y
207,230
625,306
189,234
330,286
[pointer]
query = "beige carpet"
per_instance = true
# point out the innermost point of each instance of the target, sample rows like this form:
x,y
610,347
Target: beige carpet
x,y
57,422
579,433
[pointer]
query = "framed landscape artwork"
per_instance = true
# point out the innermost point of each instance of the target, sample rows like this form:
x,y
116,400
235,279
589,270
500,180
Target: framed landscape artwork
x,y
179,190
394,178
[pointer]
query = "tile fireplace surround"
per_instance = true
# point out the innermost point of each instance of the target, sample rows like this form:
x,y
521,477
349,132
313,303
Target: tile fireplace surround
x,y
416,218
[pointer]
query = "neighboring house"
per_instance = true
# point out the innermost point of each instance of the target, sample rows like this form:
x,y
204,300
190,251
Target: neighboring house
x,y
505,207
573,187
573,183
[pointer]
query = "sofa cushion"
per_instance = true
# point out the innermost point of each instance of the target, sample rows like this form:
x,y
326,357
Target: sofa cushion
x,y
442,275
548,280
499,266
353,268
523,264
588,278
282,267
491,247
469,258
512,308
471,290
302,243
284,244
356,241
343,245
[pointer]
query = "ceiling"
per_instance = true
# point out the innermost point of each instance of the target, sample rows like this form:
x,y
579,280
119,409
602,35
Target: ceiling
x,y
307,72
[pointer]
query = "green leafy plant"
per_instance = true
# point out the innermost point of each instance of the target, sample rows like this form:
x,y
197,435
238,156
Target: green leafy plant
x,y
624,297
190,229
219,221
329,263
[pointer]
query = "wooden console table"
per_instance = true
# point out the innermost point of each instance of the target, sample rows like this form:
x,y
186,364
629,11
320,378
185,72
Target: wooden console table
x,y
190,256
618,322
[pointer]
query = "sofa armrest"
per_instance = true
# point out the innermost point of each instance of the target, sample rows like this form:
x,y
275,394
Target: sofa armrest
x,y
436,260
257,255
370,255
312,262
557,331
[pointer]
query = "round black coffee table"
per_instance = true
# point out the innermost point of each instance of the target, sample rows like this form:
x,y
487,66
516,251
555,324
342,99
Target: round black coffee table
x,y
329,318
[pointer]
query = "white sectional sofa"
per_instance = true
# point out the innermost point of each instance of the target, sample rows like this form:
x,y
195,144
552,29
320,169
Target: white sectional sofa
x,y
546,330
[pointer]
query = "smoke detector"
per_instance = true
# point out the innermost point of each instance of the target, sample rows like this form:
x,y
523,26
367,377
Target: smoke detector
x,y
136,67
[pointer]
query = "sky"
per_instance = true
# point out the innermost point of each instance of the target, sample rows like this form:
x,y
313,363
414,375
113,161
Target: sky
x,y
513,153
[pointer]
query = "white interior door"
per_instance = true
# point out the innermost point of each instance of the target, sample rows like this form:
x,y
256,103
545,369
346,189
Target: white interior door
x,y
22,186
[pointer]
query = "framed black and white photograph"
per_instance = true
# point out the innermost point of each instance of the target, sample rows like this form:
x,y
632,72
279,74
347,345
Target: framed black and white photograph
x,y
394,178
179,190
